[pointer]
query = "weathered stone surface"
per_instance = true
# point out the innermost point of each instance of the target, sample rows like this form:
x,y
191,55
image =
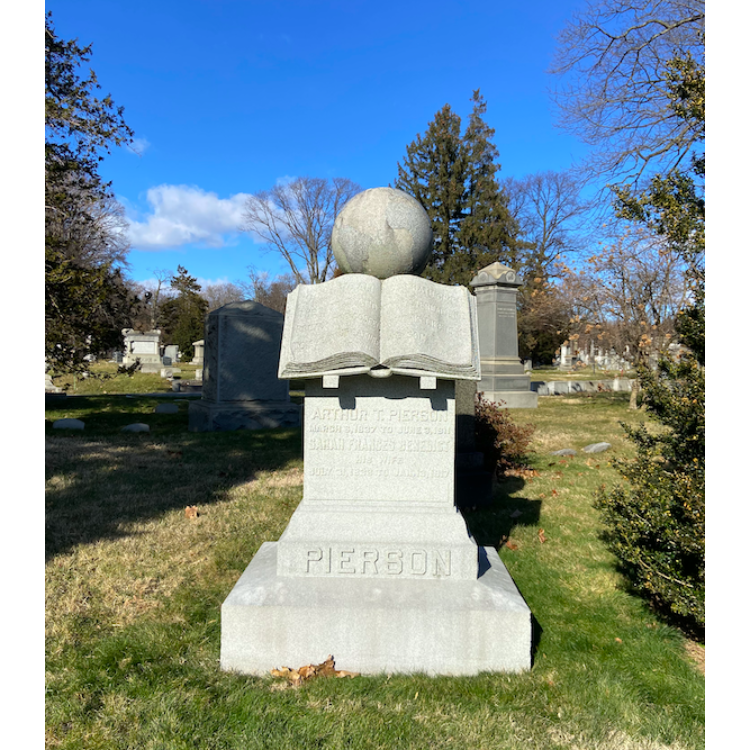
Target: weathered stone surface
x,y
240,388
376,565
597,448
142,346
376,625
136,427
503,376
356,323
382,232
68,424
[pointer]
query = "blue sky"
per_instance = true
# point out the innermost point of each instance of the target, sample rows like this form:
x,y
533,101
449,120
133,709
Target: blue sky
x,y
226,97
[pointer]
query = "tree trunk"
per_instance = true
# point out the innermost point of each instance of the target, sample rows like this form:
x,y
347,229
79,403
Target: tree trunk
x,y
634,391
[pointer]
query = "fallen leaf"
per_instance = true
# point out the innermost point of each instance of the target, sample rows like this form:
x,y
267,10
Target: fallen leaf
x,y
506,542
296,677
542,538
191,511
618,640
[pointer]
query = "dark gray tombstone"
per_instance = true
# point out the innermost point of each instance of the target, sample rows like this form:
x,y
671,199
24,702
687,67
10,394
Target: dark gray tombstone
x,y
503,376
241,388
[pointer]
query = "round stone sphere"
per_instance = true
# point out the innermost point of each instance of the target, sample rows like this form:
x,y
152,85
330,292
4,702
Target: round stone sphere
x,y
382,232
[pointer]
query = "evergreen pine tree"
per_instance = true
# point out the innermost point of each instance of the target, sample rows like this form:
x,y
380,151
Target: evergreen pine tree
x,y
453,176
183,316
488,230
434,172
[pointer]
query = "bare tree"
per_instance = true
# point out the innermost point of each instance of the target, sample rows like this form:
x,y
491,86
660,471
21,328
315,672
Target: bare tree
x,y
551,213
269,292
613,90
295,219
627,295
221,293
151,295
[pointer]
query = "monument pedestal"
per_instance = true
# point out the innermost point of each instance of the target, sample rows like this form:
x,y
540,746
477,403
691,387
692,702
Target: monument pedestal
x,y
505,380
503,376
376,566
437,627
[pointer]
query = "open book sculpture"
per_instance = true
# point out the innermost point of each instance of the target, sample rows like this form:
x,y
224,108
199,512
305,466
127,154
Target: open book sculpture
x,y
357,323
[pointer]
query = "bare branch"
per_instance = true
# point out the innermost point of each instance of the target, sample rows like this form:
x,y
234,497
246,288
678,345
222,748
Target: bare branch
x,y
295,219
612,82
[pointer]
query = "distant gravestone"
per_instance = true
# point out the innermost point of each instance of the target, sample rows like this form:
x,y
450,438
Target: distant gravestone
x,y
198,347
171,353
503,375
136,427
144,347
241,388
566,357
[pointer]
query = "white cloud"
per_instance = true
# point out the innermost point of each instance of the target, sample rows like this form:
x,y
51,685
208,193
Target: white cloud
x,y
185,215
139,146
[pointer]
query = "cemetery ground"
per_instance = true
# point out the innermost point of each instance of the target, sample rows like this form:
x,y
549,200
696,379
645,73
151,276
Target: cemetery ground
x,y
147,533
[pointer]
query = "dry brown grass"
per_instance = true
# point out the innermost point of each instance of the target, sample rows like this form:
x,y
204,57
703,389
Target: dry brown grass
x,y
132,570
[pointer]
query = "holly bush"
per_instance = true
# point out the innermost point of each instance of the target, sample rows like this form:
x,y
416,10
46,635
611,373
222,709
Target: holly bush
x,y
655,523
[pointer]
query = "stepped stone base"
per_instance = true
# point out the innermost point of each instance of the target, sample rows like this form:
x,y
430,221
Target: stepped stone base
x,y
377,624
514,399
505,380
206,416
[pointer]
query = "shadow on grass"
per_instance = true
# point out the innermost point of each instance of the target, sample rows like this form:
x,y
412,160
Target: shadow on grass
x,y
491,525
99,480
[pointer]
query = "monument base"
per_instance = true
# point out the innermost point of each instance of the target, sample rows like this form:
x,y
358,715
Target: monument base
x,y
372,626
505,380
205,416
514,399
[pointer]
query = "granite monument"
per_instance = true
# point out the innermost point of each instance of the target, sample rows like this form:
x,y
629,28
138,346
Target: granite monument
x,y
376,566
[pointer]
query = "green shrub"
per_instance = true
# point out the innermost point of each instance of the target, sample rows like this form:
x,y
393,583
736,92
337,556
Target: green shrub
x,y
503,442
655,524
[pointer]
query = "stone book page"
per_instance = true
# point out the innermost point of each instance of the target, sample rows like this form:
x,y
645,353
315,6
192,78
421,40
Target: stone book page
x,y
428,327
332,326
408,324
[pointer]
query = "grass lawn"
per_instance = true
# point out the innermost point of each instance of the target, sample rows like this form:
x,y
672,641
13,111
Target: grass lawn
x,y
134,587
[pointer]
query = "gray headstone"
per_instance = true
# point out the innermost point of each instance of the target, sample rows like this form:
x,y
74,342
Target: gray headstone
x,y
142,346
503,375
376,565
136,427
240,387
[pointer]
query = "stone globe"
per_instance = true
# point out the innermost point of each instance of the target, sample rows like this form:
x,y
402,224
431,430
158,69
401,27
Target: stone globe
x,y
382,232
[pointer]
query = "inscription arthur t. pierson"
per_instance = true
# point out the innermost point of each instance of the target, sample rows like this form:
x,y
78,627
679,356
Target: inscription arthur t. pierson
x,y
356,323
